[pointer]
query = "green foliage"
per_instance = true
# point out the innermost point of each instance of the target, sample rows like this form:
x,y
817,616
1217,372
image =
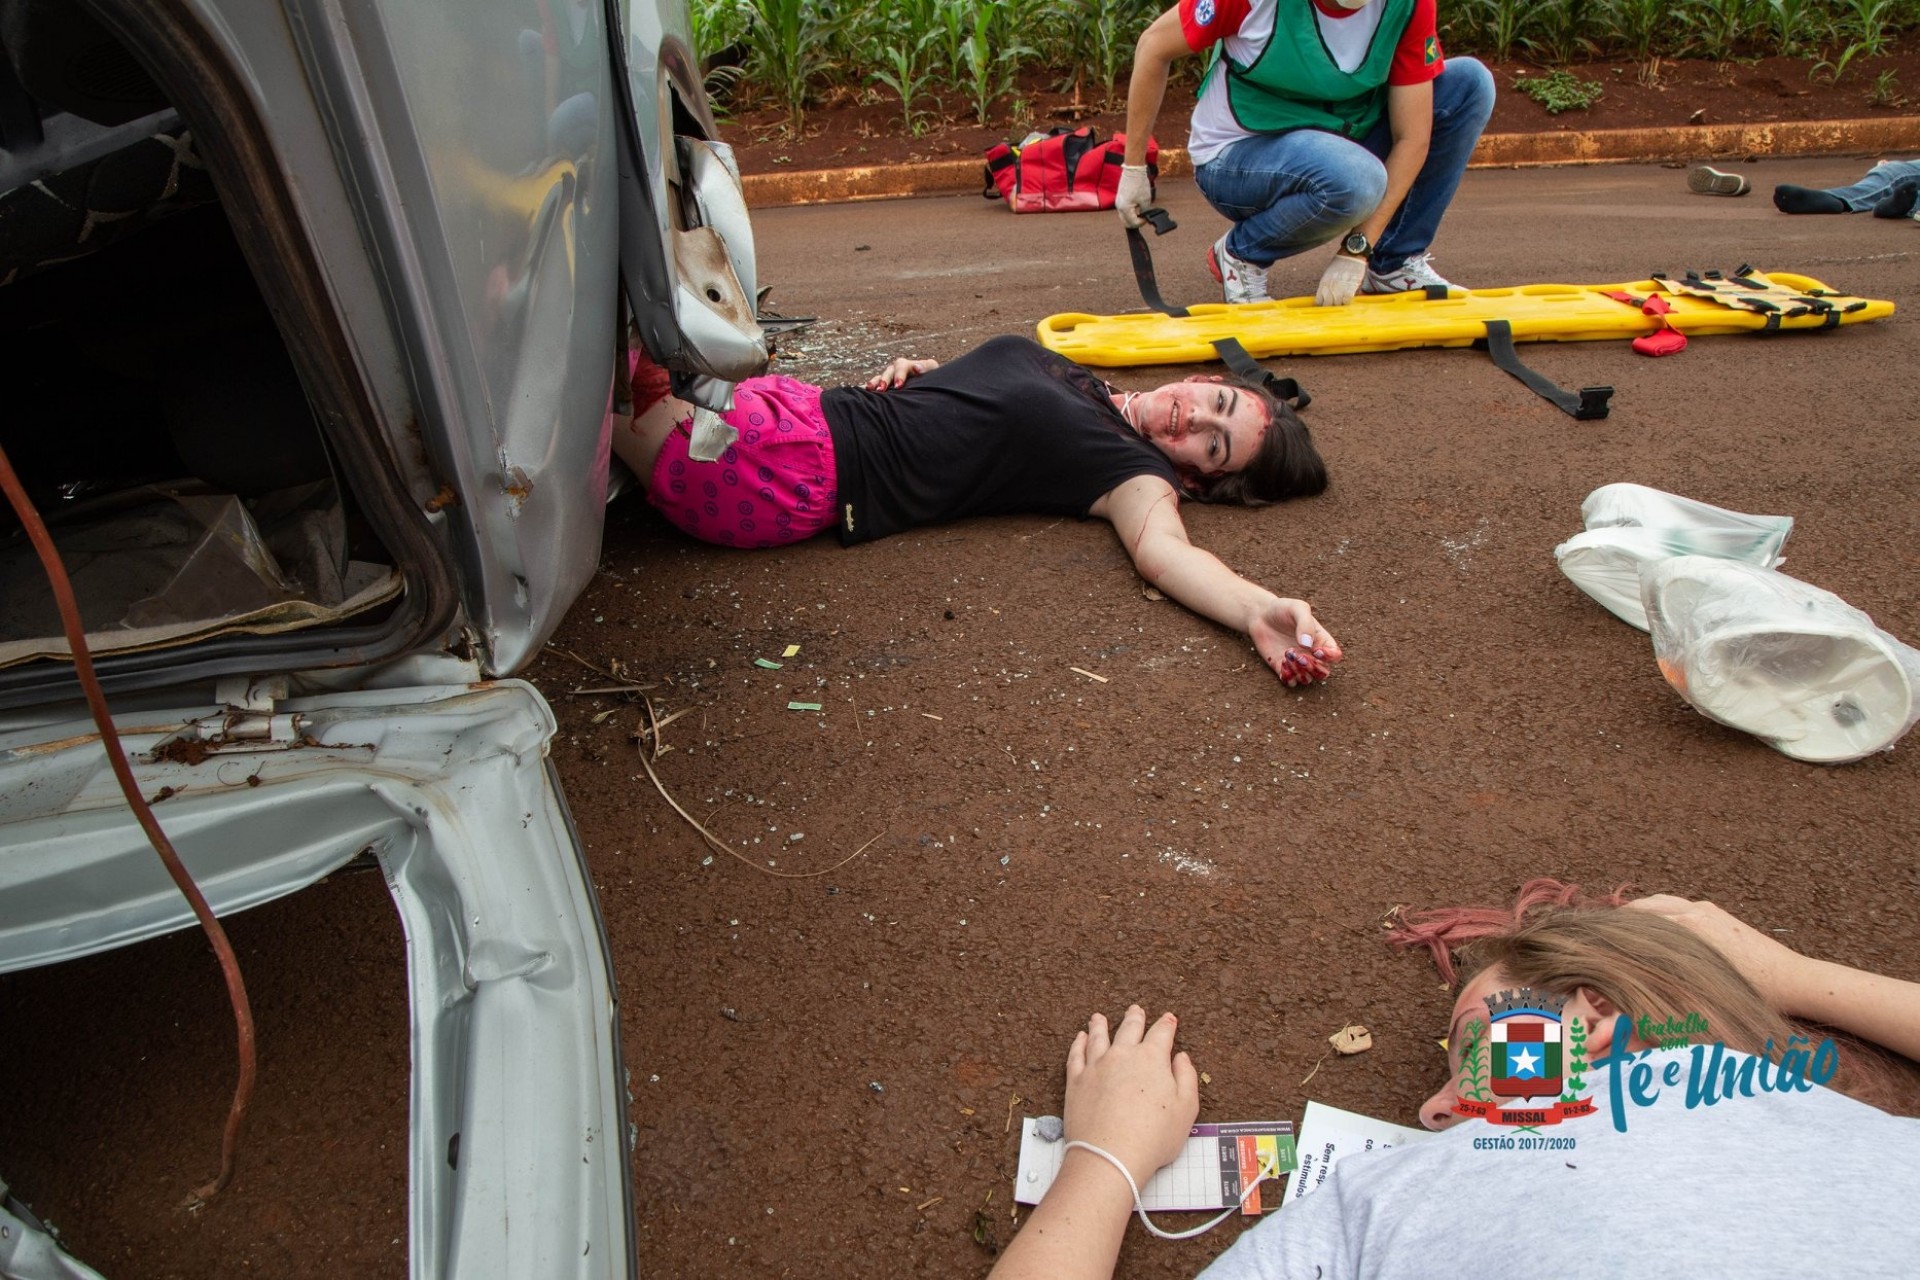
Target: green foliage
x,y
1560,91
1633,27
1717,26
1497,27
990,57
926,52
1836,66
1886,90
1868,23
906,74
1099,36
787,49
1795,26
718,24
1561,30
949,39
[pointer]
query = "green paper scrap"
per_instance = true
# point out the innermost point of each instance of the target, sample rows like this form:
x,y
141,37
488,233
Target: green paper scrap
x,y
803,706
791,650
768,663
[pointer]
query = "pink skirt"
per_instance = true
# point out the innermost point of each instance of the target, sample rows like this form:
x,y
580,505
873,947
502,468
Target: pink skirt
x,y
773,486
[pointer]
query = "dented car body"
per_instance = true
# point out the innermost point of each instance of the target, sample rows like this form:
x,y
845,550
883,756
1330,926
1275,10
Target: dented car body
x,y
366,267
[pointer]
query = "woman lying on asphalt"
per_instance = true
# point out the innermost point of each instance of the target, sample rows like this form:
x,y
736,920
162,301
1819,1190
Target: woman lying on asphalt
x,y
1695,1160
1007,428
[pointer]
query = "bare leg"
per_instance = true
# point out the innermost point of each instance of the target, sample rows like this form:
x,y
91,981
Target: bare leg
x,y
637,440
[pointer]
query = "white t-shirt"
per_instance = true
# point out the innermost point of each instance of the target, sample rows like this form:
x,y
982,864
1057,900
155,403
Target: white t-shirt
x,y
1794,1184
1347,38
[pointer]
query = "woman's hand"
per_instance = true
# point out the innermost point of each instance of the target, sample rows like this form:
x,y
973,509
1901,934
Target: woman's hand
x,y
1774,969
1130,1093
898,371
1292,642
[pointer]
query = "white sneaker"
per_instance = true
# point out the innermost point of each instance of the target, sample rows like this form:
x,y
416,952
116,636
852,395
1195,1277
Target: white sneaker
x,y
1240,280
1708,181
1415,273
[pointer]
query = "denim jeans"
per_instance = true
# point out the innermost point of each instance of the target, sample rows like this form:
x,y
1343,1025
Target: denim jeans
x,y
1287,192
1864,194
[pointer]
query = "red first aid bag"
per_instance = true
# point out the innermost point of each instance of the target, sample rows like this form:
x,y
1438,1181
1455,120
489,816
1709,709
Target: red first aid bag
x,y
1064,170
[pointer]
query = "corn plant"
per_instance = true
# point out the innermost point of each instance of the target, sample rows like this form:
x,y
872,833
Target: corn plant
x,y
1836,66
1718,25
1496,26
950,39
718,25
906,72
1099,39
991,58
787,46
1867,23
1561,30
1794,26
1635,26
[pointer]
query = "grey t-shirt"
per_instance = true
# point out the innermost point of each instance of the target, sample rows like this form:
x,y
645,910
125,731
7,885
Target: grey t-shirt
x,y
1771,1185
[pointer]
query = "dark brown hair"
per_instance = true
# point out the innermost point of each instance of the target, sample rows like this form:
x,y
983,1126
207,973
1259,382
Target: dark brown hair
x,y
1285,466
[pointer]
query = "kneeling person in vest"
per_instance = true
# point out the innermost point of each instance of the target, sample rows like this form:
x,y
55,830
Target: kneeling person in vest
x,y
1317,121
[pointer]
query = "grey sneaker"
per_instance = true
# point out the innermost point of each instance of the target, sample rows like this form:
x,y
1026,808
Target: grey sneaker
x,y
1706,181
1240,280
1415,273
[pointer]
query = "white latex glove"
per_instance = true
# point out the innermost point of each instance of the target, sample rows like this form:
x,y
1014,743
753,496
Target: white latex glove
x,y
1340,281
1135,193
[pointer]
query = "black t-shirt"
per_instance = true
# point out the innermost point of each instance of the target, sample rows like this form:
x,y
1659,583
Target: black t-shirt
x,y
1010,427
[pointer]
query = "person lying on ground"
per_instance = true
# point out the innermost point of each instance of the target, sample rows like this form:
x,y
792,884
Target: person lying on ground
x,y
1770,1175
1889,189
1329,120
1010,427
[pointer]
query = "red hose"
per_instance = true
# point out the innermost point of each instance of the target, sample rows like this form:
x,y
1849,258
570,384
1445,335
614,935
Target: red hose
x,y
109,737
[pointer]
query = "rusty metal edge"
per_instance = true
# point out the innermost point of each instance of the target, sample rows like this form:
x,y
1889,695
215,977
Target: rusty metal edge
x,y
1496,151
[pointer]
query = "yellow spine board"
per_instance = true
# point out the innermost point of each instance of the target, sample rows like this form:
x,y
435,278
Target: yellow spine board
x,y
1396,321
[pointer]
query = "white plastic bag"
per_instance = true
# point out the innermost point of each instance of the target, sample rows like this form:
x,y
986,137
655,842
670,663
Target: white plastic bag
x,y
1630,526
1796,666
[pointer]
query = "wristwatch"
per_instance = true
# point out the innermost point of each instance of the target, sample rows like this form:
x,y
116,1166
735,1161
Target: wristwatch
x,y
1356,244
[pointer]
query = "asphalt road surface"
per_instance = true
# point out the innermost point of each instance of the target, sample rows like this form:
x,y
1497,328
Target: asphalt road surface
x,y
826,1071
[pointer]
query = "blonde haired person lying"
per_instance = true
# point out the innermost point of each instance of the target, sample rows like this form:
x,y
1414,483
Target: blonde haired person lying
x,y
1716,1167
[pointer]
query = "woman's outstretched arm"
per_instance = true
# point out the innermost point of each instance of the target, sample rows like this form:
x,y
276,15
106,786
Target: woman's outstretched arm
x,y
1145,512
1132,1096
1869,1005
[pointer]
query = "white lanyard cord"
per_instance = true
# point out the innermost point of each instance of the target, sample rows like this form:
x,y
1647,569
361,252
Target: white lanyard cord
x,y
1267,1170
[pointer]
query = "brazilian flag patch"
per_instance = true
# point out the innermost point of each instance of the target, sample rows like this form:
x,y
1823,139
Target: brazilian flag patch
x,y
1433,50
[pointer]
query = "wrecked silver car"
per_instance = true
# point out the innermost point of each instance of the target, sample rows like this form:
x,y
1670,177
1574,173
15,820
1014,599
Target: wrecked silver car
x,y
356,278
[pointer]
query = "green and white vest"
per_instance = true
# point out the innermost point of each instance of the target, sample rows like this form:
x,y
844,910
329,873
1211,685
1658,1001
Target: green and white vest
x,y
1294,83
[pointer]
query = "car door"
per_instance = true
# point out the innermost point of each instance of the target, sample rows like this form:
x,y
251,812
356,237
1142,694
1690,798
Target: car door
x,y
515,161
518,1139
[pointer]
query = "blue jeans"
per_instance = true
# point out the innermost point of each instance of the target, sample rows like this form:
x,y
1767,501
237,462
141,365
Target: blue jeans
x,y
1287,192
1864,194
